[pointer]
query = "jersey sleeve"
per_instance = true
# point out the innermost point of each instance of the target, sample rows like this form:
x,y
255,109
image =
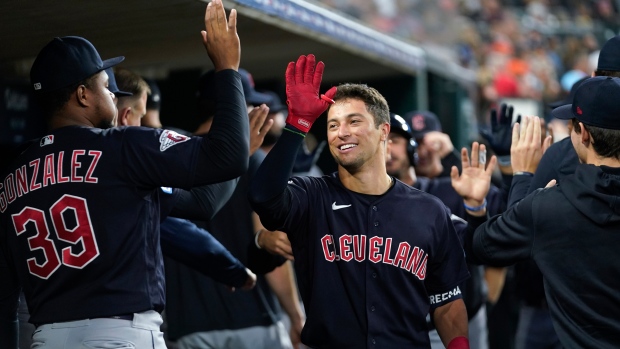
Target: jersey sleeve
x,y
202,203
185,242
507,238
447,268
271,194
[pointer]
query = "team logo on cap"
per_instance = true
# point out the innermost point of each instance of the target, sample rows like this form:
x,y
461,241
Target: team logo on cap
x,y
37,86
579,111
417,121
169,138
47,140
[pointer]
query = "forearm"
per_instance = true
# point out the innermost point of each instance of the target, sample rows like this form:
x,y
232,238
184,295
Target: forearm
x,y
202,203
184,242
268,195
272,176
225,150
282,282
519,188
451,321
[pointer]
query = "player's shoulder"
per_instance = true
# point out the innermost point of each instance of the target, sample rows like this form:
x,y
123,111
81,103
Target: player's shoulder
x,y
316,182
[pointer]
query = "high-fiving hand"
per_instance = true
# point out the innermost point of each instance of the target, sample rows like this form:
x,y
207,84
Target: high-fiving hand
x,y
303,81
220,37
474,183
527,149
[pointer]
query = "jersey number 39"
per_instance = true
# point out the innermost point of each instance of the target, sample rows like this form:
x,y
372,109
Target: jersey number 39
x,y
82,233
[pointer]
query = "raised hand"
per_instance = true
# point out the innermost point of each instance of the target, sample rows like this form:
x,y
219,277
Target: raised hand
x,y
499,135
527,148
259,126
220,37
474,183
303,81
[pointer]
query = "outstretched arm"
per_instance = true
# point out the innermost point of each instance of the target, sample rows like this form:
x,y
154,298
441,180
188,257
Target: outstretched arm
x,y
225,150
186,243
268,193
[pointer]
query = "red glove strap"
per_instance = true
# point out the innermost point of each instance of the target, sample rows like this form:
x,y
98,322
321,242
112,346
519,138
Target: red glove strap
x,y
458,343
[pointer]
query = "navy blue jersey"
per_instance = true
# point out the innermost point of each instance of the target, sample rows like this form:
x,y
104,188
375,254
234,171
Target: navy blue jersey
x,y
369,267
81,214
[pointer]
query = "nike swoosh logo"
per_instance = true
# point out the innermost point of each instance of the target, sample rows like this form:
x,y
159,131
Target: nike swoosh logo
x,y
337,207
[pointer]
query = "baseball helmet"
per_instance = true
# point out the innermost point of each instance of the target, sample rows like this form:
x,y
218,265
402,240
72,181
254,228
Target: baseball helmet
x,y
400,126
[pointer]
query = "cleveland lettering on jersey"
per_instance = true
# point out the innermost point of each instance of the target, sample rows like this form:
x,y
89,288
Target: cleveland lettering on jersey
x,y
53,168
353,247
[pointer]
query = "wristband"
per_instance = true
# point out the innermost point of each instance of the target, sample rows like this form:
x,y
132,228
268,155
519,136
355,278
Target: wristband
x,y
523,173
504,160
476,208
295,131
256,238
458,343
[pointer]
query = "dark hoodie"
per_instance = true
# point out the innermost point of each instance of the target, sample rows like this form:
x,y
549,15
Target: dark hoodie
x,y
572,231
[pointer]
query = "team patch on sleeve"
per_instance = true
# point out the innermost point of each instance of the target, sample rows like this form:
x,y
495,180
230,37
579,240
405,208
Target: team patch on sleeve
x,y
169,138
446,297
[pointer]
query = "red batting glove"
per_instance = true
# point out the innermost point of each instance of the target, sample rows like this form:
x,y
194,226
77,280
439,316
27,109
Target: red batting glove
x,y
458,343
303,82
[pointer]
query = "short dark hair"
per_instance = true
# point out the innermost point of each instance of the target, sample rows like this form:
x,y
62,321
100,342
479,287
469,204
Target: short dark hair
x,y
612,73
375,103
128,81
53,101
606,142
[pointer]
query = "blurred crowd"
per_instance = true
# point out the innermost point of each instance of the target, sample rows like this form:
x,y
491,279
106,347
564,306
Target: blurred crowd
x,y
532,49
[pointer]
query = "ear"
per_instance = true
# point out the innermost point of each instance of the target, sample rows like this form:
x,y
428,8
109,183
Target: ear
x,y
123,116
385,131
585,136
82,96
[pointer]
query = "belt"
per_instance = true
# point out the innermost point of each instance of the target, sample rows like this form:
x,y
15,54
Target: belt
x,y
128,317
121,317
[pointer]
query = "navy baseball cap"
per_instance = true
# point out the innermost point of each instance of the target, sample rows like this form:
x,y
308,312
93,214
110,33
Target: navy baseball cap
x,y
399,125
596,103
252,96
609,57
113,87
422,122
65,61
571,94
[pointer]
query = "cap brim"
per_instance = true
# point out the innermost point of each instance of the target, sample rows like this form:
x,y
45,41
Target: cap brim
x,y
564,112
112,62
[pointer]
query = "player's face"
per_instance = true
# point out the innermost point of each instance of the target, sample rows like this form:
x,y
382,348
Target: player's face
x,y
429,160
353,139
398,162
104,106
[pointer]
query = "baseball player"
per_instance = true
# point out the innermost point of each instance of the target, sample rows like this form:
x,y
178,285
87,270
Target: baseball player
x,y
368,270
570,230
79,210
